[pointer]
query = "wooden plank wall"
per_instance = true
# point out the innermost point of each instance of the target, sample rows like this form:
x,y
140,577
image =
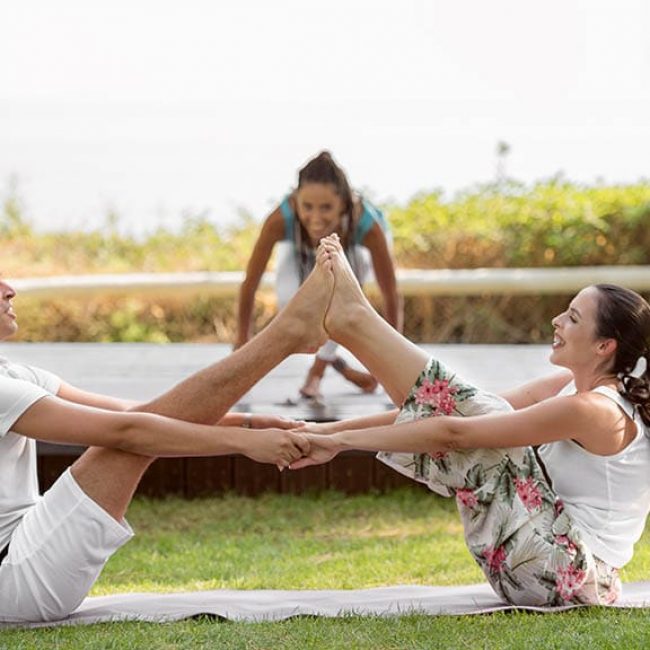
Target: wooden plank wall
x,y
350,472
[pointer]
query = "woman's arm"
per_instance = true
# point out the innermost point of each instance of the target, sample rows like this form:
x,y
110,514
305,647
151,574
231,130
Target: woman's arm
x,y
591,419
365,422
55,420
258,421
271,233
537,390
384,268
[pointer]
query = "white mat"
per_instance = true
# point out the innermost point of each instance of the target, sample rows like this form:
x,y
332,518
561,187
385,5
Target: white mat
x,y
276,605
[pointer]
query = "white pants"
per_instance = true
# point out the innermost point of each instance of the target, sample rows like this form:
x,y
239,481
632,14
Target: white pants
x,y
287,282
56,553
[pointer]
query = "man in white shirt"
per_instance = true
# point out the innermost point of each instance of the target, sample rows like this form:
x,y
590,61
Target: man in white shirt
x,y
52,548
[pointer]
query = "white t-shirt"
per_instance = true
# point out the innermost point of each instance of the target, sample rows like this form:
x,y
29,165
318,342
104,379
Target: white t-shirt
x,y
607,497
20,387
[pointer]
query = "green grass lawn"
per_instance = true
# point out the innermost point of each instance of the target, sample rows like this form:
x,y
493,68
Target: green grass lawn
x,y
317,542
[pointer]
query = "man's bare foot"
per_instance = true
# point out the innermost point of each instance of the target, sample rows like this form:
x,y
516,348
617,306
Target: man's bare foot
x,y
303,318
348,303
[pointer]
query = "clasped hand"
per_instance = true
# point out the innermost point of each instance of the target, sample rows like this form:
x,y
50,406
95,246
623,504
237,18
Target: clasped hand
x,y
295,448
322,448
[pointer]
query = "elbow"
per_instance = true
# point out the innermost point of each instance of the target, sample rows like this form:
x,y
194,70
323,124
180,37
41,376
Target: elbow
x,y
128,434
454,438
122,435
250,283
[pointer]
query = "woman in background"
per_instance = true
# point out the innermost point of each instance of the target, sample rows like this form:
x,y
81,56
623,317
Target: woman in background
x,y
322,204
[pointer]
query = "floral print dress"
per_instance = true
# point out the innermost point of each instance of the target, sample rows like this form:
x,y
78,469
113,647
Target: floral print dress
x,y
515,525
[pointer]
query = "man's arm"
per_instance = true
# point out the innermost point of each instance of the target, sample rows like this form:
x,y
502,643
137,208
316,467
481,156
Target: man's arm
x,y
71,393
55,420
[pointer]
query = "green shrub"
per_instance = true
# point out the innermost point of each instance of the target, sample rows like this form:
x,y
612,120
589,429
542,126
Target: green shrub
x,y
550,223
554,223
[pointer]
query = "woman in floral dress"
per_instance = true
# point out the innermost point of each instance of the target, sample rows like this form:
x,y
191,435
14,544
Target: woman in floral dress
x,y
552,479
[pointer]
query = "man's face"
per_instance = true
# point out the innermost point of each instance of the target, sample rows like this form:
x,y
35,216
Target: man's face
x,y
8,323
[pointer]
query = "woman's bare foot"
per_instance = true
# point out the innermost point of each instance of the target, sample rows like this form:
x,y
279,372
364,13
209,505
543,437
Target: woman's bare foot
x,y
311,387
364,380
348,303
303,318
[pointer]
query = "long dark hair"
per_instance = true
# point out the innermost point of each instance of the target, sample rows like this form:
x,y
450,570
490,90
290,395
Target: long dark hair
x,y
323,169
624,315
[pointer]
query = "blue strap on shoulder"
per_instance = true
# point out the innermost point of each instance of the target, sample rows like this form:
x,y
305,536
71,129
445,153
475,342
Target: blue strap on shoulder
x,y
370,215
289,217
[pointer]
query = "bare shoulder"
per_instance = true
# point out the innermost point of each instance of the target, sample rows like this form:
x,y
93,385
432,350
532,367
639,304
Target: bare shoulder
x,y
375,238
601,426
594,408
273,227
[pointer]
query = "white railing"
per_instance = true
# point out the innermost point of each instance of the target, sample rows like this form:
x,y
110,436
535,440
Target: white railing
x,y
451,282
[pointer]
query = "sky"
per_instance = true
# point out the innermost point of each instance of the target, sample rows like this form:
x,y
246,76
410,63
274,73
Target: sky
x,y
156,110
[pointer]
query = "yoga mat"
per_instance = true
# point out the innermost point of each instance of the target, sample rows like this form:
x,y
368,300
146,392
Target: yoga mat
x,y
278,605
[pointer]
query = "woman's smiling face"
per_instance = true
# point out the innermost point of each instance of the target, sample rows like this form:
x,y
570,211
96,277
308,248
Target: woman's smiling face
x,y
575,341
319,209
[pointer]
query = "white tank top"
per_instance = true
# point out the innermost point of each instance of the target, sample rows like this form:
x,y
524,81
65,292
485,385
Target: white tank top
x,y
607,497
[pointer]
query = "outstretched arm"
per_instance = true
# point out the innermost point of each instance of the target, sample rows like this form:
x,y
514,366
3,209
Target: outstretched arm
x,y
271,233
76,395
55,420
537,390
71,393
365,422
591,419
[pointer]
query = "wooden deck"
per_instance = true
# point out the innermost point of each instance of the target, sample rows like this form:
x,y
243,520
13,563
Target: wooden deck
x,y
141,371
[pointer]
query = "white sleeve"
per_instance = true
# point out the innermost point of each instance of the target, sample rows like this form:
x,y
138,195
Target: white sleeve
x,y
16,396
43,378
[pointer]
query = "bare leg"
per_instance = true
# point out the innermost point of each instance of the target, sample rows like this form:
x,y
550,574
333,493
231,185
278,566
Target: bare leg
x,y
110,476
364,380
352,322
207,395
311,387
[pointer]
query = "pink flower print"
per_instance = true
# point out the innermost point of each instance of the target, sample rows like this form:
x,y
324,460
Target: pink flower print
x,y
495,558
439,395
568,581
558,507
529,493
438,455
563,540
467,498
613,594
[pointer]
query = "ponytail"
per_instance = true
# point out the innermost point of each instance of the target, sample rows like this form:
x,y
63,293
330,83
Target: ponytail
x,y
635,386
623,315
